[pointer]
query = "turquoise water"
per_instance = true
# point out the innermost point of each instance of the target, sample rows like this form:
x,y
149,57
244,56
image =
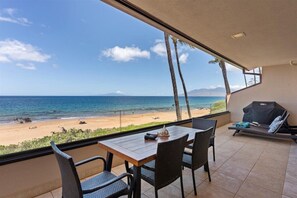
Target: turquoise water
x,y
65,107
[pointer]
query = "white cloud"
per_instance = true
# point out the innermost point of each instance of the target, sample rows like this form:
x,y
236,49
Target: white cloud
x,y
8,15
231,67
20,21
14,50
119,92
4,59
216,86
125,54
183,58
159,41
159,48
23,55
29,66
232,87
9,11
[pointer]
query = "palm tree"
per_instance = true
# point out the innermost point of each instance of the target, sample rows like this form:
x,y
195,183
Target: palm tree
x,y
175,40
224,72
173,80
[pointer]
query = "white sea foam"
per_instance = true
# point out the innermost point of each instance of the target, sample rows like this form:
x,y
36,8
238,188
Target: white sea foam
x,y
70,118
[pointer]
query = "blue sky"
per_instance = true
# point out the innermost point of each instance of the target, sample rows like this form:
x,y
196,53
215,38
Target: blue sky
x,y
53,47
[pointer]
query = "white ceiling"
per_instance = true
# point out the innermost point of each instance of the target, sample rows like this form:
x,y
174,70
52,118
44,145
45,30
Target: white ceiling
x,y
270,26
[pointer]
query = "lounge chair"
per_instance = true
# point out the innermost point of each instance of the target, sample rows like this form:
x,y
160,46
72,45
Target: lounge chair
x,y
262,130
265,112
286,128
262,112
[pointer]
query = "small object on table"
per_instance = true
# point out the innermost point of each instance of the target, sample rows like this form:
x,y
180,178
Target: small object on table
x,y
164,132
150,136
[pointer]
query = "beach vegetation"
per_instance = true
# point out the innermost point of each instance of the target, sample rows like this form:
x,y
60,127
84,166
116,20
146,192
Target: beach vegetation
x,y
70,135
218,107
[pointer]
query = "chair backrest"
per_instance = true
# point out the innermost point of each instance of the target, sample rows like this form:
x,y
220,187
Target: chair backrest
x,y
283,122
71,186
284,114
200,148
169,161
203,124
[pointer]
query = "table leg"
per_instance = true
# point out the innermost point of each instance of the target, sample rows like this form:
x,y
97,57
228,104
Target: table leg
x,y
137,178
109,157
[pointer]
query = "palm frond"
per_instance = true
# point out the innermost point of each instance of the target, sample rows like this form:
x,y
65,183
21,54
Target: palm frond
x,y
214,61
186,44
174,40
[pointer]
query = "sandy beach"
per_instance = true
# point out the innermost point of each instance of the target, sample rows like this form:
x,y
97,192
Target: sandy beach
x,y
15,133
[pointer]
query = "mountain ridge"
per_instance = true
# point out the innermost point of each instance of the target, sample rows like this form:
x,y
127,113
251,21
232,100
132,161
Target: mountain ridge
x,y
218,91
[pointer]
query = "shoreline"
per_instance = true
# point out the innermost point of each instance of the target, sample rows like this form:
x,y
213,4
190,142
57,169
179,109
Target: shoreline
x,y
13,133
105,114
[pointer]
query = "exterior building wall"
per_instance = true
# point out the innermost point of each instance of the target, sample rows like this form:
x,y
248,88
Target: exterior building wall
x,y
279,84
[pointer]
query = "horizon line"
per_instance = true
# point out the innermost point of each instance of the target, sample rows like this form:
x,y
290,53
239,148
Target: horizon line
x,y
98,96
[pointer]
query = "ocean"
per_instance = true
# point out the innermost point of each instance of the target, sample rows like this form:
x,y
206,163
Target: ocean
x,y
67,107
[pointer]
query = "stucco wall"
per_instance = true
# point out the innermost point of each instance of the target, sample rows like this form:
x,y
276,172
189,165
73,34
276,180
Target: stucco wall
x,y
36,176
222,120
279,83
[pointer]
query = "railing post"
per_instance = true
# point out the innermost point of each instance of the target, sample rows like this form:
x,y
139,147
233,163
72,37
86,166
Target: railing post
x,y
181,112
120,120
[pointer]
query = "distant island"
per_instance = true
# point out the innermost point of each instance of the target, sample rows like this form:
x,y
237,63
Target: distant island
x,y
113,94
219,91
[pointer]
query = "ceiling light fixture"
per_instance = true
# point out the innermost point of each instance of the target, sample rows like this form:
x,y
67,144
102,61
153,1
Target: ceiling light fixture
x,y
238,35
293,62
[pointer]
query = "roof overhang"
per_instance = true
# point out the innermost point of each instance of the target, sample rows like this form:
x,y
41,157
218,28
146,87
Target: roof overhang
x,y
270,27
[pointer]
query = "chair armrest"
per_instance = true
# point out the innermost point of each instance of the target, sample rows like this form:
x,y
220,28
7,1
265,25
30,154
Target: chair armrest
x,y
148,168
190,146
128,169
91,159
130,178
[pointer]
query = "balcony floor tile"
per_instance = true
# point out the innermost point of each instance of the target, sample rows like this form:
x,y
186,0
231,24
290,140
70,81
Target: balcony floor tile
x,y
245,166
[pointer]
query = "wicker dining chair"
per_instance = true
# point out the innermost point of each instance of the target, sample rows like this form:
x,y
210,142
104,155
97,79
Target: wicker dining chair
x,y
203,124
167,167
102,185
199,155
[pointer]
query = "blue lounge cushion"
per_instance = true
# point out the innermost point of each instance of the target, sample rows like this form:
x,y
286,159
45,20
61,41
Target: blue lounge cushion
x,y
278,118
273,127
242,124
